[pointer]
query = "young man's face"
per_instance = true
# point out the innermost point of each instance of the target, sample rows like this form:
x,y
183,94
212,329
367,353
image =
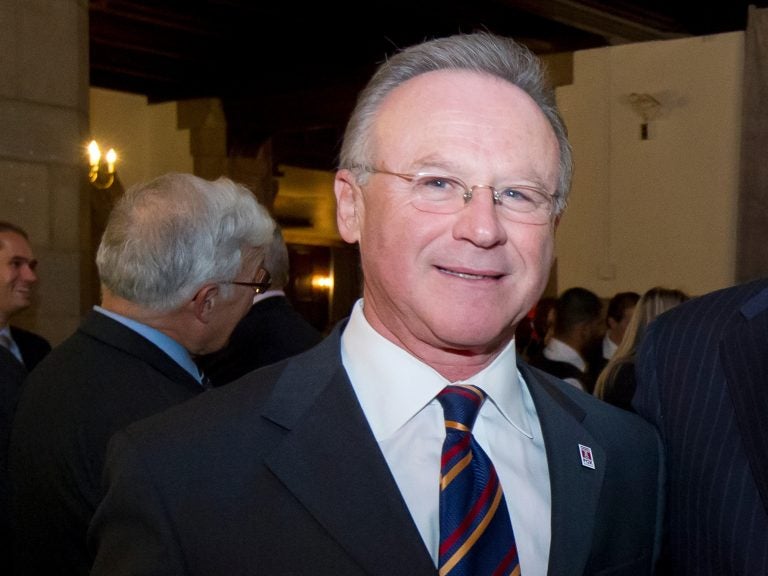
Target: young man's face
x,y
17,274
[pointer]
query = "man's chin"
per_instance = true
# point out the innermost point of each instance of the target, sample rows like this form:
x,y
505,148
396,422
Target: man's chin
x,y
21,304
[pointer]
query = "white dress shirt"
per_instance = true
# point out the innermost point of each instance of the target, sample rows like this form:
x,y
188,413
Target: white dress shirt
x,y
609,347
559,351
397,393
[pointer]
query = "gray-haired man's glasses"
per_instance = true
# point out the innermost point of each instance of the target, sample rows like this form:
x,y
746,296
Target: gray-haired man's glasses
x,y
260,284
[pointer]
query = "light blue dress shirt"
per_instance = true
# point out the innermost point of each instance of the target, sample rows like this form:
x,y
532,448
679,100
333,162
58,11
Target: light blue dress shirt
x,y
13,348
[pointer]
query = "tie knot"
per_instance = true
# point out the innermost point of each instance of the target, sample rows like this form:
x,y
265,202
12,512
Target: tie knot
x,y
460,406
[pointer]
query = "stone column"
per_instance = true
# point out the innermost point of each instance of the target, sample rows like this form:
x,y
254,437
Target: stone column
x,y
44,80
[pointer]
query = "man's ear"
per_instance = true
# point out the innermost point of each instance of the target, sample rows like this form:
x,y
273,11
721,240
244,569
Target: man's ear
x,y
347,216
204,301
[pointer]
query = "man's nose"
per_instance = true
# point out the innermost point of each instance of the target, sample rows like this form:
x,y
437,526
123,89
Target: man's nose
x,y
28,273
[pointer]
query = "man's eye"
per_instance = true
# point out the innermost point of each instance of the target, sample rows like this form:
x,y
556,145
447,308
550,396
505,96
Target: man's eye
x,y
437,182
16,263
520,195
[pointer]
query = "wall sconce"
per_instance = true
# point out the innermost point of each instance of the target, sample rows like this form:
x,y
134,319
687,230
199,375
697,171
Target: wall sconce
x,y
647,107
101,172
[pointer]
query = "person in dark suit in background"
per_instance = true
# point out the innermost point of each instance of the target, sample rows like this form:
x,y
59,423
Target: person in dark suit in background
x,y
703,381
578,328
20,350
272,329
329,462
179,261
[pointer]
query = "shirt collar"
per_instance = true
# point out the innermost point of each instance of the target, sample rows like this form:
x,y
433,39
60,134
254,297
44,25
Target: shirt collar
x,y
609,348
559,350
393,386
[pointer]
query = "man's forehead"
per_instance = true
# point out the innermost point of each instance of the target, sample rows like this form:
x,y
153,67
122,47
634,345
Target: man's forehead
x,y
15,244
13,240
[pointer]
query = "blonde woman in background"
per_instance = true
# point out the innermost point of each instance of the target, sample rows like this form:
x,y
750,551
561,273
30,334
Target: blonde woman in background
x,y
616,383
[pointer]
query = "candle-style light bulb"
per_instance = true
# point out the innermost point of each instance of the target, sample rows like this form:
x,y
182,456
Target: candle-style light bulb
x,y
111,160
94,154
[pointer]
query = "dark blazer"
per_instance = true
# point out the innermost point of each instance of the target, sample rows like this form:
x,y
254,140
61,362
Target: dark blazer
x,y
272,330
621,386
558,368
703,381
279,473
12,374
33,347
97,381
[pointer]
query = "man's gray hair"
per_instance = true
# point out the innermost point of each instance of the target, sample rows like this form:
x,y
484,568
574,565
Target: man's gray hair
x,y
277,260
168,237
479,52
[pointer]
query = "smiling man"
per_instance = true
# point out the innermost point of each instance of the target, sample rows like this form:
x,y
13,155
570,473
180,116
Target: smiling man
x,y
17,280
411,440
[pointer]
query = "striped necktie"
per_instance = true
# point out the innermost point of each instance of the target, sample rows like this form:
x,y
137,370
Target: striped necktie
x,y
476,535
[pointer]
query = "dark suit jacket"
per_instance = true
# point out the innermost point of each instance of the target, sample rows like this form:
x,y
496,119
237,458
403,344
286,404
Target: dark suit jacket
x,y
97,381
12,373
279,473
272,330
33,347
703,380
621,387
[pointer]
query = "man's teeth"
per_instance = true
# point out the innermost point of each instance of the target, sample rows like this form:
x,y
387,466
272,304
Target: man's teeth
x,y
464,275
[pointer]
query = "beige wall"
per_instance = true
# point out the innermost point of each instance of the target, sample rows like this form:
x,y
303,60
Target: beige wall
x,y
661,210
145,136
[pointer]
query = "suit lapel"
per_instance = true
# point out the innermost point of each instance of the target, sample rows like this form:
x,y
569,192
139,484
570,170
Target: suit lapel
x,y
575,487
331,462
744,356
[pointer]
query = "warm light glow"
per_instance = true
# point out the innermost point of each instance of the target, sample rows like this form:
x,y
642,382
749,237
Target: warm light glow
x,y
94,154
320,282
111,159
97,175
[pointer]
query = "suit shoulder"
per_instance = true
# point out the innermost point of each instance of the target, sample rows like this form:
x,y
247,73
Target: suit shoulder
x,y
597,415
716,309
26,336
